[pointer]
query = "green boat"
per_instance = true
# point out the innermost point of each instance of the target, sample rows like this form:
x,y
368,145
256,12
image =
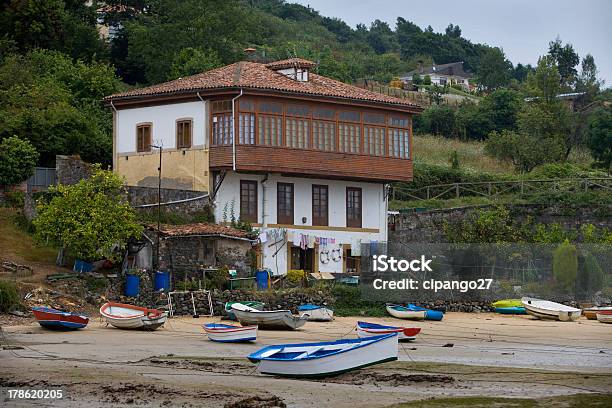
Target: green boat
x,y
249,303
505,303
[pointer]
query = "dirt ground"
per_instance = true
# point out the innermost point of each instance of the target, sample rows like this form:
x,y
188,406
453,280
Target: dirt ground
x,y
466,355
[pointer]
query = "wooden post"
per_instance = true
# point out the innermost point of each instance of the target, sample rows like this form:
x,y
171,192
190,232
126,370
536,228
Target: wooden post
x,y
457,189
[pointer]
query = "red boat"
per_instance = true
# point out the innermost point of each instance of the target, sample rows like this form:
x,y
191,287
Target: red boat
x,y
59,319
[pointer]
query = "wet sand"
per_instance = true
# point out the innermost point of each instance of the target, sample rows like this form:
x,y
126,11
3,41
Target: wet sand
x,y
465,355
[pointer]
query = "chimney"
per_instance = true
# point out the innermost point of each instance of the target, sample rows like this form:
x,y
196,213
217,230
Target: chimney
x,y
251,54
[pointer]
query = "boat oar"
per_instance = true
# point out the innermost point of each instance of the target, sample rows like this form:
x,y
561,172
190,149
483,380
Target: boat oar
x,y
195,314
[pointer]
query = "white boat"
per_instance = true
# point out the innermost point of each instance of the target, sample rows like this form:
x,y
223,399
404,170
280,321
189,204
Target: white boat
x,y
544,309
326,358
591,312
365,329
402,312
123,316
604,316
267,319
225,333
316,313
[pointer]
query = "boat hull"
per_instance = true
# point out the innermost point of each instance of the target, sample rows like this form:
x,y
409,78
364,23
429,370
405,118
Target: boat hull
x,y
376,352
230,334
372,330
321,314
269,320
546,310
58,319
591,313
249,303
604,316
507,303
511,310
407,314
129,317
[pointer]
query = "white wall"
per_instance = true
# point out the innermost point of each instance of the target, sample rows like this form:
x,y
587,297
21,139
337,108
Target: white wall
x,y
374,211
163,119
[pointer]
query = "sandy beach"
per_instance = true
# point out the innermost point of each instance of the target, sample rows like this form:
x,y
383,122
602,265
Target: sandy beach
x,y
482,355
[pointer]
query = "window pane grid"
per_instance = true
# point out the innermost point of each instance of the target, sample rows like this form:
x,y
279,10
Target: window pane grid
x,y
297,133
324,135
374,140
246,132
400,143
270,130
183,134
350,138
222,129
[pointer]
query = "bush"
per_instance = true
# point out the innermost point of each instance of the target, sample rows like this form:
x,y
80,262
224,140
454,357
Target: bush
x,y
591,276
9,296
15,199
565,264
439,120
561,170
350,303
17,160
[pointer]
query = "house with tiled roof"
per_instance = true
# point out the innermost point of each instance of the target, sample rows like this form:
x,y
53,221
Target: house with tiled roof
x,y
304,158
441,74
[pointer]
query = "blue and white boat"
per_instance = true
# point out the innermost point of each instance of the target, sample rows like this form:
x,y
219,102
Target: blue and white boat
x,y
225,333
325,359
316,313
429,314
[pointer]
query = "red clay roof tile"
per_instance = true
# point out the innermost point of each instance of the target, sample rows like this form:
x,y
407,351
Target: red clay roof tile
x,y
199,229
256,76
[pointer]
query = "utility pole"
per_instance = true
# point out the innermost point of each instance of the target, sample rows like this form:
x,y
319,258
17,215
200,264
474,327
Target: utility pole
x,y
159,172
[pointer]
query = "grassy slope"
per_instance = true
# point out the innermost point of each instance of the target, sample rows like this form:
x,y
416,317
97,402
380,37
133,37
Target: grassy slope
x,y
17,245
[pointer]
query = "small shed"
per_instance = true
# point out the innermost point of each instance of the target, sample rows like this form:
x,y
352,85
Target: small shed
x,y
193,247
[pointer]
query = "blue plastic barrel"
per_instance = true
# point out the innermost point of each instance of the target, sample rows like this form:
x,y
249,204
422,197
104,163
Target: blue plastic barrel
x,y
132,285
261,277
162,281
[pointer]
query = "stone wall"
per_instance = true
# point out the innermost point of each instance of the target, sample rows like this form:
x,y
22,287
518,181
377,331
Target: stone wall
x,y
274,300
70,170
428,226
148,195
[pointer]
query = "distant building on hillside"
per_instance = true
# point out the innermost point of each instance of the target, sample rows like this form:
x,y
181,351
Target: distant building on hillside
x,y
443,74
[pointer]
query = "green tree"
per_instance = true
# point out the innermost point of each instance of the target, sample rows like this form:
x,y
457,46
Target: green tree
x,y
591,276
566,60
439,120
89,218
599,137
565,265
494,69
17,160
426,80
56,104
523,151
588,81
544,81
416,79
190,61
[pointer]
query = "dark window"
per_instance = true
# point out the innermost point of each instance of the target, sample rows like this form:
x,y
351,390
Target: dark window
x,y
320,206
298,110
399,121
248,200
143,138
353,207
247,105
284,203
349,116
271,107
183,134
376,118
221,106
324,113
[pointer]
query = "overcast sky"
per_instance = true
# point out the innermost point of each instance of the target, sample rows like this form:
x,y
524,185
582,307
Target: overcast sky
x,y
523,28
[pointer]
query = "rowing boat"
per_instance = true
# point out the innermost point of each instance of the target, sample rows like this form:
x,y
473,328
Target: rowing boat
x,y
316,313
544,309
267,319
325,359
604,316
123,316
507,303
591,312
403,312
429,314
58,319
514,310
365,329
225,333
250,303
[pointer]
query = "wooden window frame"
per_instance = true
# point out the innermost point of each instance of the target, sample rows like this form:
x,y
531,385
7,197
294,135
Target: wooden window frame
x,y
285,218
320,221
144,149
354,222
182,121
247,216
